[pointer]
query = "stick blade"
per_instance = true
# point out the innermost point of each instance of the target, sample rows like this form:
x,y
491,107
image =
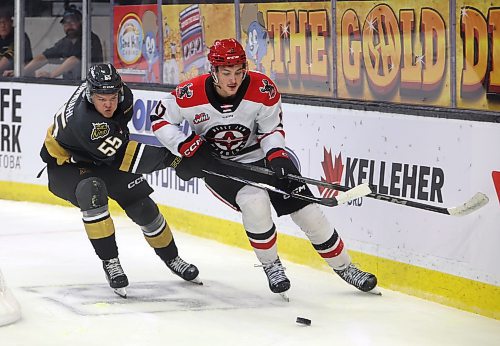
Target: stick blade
x,y
356,192
478,201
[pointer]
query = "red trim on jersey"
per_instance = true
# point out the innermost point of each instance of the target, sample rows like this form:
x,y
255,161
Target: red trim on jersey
x,y
335,252
199,96
270,133
221,199
257,89
159,124
266,245
277,154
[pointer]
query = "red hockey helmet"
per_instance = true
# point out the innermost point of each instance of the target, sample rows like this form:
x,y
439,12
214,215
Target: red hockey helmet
x,y
227,52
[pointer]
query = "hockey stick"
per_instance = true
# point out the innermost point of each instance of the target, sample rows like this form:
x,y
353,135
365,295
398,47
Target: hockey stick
x,y
350,194
476,202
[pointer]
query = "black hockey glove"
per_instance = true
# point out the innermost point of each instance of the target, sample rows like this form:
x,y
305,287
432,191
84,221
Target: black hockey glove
x,y
280,163
196,156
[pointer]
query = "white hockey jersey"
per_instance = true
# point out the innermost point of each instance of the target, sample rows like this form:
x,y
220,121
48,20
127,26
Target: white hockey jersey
x,y
243,129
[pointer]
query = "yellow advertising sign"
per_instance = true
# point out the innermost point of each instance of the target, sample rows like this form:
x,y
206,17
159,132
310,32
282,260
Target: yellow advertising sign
x,y
395,51
478,54
188,31
291,43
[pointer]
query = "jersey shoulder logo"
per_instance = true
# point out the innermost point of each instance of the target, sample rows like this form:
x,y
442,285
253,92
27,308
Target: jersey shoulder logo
x,y
184,91
268,88
99,130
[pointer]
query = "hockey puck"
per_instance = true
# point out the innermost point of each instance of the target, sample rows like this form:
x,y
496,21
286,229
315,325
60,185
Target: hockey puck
x,y
304,321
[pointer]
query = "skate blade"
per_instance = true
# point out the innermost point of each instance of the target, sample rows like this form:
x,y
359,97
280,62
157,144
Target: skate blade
x,y
284,296
375,291
122,292
197,281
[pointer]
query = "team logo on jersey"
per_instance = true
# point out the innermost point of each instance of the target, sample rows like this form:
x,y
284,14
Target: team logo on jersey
x,y
184,91
268,88
228,140
201,117
100,130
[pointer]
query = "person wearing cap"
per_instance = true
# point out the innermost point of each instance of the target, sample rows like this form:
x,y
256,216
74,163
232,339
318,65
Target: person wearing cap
x,y
67,52
7,42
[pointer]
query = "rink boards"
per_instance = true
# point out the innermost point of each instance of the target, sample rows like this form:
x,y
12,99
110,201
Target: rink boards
x,y
442,162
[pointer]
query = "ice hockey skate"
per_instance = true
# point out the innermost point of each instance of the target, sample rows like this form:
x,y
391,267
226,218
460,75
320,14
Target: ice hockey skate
x,y
115,276
363,281
278,282
184,270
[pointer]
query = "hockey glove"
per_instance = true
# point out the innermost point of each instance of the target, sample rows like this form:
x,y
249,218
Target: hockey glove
x,y
196,156
280,163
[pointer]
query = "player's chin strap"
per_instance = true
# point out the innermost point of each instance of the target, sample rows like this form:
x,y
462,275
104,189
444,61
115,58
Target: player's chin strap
x,y
213,72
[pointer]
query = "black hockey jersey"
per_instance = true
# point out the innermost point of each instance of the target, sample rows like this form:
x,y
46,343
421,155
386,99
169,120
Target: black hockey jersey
x,y
80,133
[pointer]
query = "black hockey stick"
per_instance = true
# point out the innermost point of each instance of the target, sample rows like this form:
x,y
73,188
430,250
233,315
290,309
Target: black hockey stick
x,y
477,201
350,194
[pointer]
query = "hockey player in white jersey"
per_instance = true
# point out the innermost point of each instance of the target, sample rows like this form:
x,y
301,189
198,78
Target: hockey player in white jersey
x,y
236,114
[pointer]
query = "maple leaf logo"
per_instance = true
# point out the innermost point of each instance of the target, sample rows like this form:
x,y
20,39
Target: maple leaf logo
x,y
333,173
496,181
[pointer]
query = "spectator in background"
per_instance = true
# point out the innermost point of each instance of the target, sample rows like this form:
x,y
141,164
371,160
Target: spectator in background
x,y
67,52
7,42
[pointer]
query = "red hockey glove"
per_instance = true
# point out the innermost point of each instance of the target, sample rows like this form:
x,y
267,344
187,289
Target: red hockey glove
x,y
190,146
280,163
196,156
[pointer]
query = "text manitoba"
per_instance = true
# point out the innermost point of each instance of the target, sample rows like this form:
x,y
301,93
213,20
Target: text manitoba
x,y
10,161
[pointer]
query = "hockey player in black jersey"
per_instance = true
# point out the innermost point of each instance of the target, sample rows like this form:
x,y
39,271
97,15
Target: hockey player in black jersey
x,y
236,114
89,158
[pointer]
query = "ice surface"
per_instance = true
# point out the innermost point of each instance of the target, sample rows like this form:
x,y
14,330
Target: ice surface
x,y
52,270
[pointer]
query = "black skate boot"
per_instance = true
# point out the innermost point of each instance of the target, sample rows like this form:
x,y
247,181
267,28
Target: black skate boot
x,y
363,281
186,271
278,282
115,276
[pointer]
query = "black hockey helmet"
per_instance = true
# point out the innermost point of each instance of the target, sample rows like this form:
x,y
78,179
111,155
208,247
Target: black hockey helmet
x,y
103,79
